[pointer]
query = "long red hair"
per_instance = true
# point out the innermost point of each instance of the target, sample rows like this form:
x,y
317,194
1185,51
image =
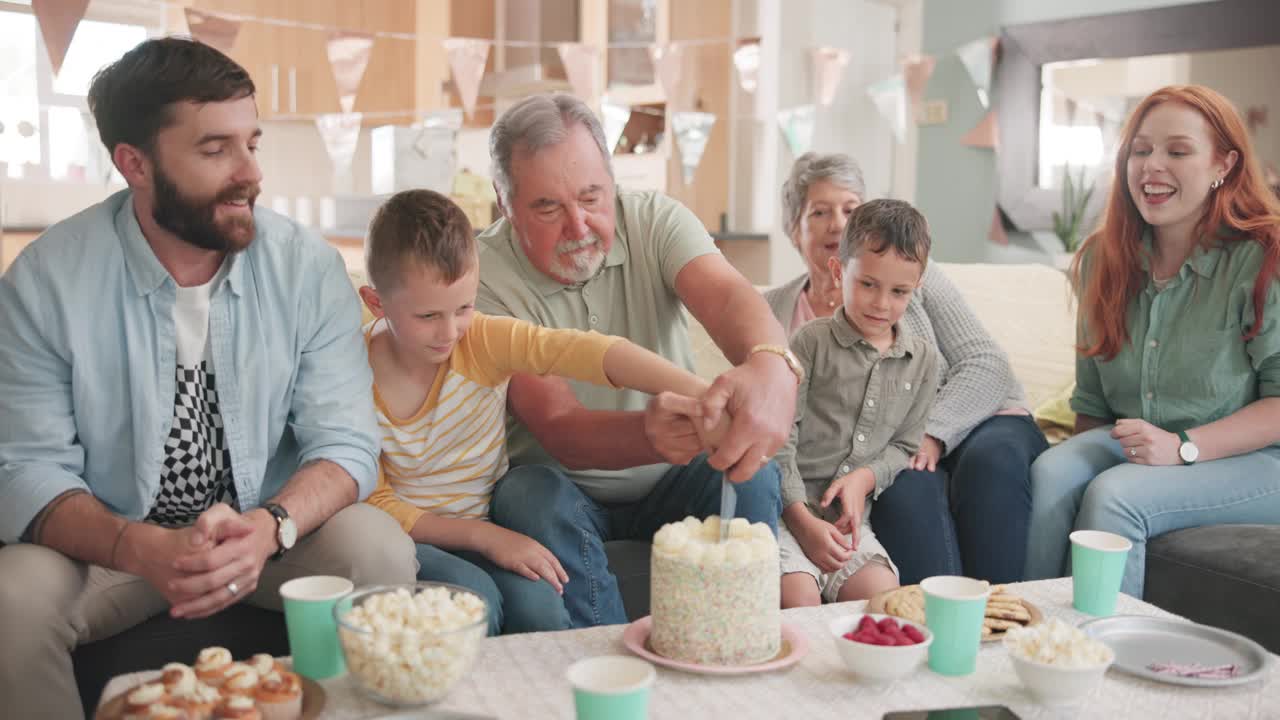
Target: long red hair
x,y
1243,209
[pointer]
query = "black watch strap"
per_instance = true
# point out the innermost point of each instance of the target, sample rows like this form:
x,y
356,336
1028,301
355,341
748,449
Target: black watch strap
x,y
280,514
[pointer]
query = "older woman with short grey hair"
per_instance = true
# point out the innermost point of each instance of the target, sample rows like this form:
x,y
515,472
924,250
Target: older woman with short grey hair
x,y
964,503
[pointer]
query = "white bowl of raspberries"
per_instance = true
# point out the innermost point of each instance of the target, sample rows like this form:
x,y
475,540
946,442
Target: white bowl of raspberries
x,y
880,648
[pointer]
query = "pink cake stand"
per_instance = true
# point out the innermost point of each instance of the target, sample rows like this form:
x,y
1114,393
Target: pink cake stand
x,y
794,647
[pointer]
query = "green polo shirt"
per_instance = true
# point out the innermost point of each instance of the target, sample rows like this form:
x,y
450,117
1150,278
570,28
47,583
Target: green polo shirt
x,y
1186,364
633,296
857,407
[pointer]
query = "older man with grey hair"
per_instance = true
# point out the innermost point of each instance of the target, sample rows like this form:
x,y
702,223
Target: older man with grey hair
x,y
574,251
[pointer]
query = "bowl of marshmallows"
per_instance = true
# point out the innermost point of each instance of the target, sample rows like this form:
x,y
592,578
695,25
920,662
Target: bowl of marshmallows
x,y
407,645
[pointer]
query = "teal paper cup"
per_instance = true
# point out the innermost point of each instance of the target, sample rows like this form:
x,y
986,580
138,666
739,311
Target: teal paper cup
x,y
953,611
1097,567
611,687
308,618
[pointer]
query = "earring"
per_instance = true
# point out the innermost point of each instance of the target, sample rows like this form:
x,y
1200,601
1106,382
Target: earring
x,y
1215,184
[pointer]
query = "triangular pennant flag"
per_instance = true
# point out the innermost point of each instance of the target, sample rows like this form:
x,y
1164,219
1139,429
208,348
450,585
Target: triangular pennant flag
x,y
58,22
828,68
997,233
349,56
438,124
582,67
986,134
467,58
693,129
916,71
614,119
747,60
667,66
890,98
797,125
213,30
979,58
341,133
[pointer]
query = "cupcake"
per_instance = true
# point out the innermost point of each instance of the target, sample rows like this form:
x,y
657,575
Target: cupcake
x,y
178,679
139,700
199,702
240,679
237,707
212,664
265,664
279,696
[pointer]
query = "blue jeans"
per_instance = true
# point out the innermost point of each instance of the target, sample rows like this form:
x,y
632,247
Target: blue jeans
x,y
970,515
551,509
516,603
1087,483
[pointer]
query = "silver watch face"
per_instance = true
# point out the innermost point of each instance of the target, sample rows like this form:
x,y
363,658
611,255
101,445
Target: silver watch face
x,y
287,533
1188,452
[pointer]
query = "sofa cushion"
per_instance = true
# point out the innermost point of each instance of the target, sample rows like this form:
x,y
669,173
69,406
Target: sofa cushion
x,y
1220,575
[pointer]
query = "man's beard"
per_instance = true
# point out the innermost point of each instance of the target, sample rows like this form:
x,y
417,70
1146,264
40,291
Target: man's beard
x,y
577,267
195,221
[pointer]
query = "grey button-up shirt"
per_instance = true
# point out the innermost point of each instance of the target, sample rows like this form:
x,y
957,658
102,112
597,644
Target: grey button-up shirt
x,y
856,407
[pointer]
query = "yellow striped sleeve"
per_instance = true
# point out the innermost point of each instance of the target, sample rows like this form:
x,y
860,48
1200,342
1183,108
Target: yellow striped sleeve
x,y
496,347
384,498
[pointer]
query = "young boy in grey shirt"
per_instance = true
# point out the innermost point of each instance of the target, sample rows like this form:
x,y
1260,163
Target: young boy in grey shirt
x,y
860,415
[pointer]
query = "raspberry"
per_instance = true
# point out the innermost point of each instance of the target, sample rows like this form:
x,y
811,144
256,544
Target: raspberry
x,y
887,625
866,622
913,633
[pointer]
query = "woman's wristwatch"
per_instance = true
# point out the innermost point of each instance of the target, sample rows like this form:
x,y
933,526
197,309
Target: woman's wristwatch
x,y
1187,451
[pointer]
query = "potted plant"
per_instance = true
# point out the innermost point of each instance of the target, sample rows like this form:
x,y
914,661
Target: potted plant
x,y
1069,223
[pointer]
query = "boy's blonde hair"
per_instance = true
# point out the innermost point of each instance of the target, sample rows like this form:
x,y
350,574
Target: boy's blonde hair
x,y
420,226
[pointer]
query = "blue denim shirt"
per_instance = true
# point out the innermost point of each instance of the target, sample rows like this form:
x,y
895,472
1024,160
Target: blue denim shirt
x,y
88,356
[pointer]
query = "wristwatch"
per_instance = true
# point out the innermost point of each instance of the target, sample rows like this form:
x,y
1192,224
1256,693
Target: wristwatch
x,y
286,529
1187,451
785,353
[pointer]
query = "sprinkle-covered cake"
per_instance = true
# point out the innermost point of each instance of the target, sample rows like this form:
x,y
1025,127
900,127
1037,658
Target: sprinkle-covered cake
x,y
713,602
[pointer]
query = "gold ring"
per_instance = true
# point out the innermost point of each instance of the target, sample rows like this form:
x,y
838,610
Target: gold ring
x,y
1133,452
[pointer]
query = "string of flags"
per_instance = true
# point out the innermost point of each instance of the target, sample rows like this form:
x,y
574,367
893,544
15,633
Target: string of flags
x,y
897,98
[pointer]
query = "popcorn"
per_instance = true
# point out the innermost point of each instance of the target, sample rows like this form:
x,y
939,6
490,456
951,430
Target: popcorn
x,y
413,647
1059,644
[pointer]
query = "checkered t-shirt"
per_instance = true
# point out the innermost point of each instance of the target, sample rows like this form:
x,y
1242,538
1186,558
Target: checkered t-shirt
x,y
196,472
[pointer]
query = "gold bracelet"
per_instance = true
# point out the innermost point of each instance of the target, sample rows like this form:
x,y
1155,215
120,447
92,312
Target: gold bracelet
x,y
116,545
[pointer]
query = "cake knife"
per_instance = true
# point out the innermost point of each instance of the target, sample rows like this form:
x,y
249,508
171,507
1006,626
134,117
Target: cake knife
x,y
728,503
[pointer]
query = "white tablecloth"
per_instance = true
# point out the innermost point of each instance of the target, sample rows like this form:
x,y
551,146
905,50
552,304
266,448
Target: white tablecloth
x,y
522,676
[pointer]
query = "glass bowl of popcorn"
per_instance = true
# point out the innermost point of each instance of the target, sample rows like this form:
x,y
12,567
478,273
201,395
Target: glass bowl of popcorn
x,y
407,645
1056,661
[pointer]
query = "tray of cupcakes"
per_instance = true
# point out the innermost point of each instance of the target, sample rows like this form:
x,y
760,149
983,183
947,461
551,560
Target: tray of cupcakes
x,y
219,688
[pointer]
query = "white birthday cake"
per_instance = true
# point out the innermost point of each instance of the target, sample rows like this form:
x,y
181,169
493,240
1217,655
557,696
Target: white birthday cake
x,y
713,602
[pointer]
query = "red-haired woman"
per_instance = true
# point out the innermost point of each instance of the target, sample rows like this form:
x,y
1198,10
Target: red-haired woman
x,y
1178,365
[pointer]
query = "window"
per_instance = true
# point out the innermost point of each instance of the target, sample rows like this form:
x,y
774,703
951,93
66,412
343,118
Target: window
x,y
46,131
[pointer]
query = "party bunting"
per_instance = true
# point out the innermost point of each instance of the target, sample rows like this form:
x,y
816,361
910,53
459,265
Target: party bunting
x,y
212,30
582,67
997,233
614,117
58,21
747,60
467,58
349,57
668,63
692,129
986,134
340,132
890,98
797,125
916,71
828,67
979,58
441,123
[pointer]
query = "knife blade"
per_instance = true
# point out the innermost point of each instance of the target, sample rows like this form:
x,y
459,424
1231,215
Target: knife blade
x,y
728,503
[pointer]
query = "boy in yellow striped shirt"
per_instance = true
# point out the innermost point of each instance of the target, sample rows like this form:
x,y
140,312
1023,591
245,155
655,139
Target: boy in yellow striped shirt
x,y
440,374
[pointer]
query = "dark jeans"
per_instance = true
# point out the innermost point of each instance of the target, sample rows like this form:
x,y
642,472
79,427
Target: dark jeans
x,y
551,509
970,516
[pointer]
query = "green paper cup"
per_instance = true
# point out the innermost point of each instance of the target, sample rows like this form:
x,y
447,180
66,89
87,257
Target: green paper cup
x,y
953,611
611,687
1097,567
308,617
